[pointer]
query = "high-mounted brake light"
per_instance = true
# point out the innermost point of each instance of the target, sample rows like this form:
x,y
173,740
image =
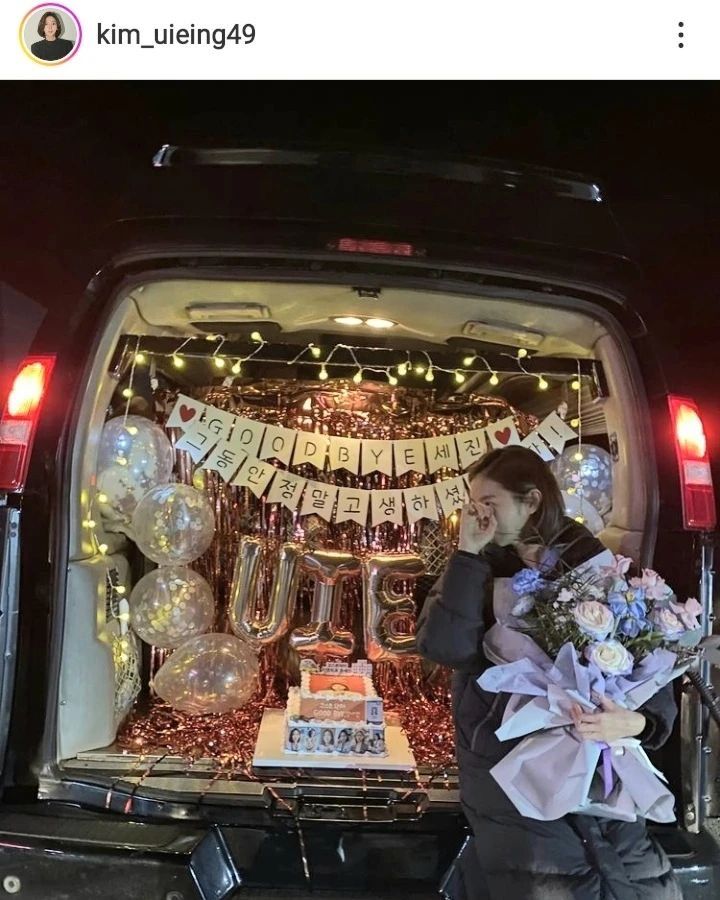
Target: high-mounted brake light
x,y
379,248
696,487
20,418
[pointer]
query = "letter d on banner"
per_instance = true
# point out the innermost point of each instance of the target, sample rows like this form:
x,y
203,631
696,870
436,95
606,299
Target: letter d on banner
x,y
243,593
388,615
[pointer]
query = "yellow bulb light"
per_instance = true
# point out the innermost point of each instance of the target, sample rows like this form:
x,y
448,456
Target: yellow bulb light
x,y
315,351
494,380
575,385
459,377
522,353
578,457
127,393
257,337
323,374
429,375
357,377
419,370
140,358
102,498
469,360
542,384
219,362
402,369
236,369
392,379
178,361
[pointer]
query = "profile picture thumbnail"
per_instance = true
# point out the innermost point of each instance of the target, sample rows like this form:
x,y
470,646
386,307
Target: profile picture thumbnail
x,y
50,35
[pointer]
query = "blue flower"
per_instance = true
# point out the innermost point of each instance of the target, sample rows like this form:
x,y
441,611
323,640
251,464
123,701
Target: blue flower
x,y
526,581
627,605
633,627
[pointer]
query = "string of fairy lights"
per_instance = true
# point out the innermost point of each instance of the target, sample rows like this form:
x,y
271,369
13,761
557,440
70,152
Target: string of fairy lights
x,y
393,372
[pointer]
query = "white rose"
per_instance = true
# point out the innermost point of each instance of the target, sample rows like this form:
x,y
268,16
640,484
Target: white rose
x,y
595,619
610,657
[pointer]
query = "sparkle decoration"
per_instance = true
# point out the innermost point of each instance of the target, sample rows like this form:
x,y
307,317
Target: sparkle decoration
x,y
585,472
416,693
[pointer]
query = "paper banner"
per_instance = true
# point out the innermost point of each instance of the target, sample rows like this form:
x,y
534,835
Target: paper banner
x,y
536,444
255,475
219,422
472,445
452,494
503,433
197,441
319,500
248,435
441,453
387,506
352,505
278,443
409,456
556,432
377,456
310,448
344,453
420,503
226,458
185,411
287,489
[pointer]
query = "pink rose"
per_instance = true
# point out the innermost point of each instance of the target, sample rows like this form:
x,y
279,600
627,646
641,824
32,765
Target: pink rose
x,y
619,567
655,586
688,612
667,623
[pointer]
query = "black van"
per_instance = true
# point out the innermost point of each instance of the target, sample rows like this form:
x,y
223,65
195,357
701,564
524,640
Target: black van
x,y
515,277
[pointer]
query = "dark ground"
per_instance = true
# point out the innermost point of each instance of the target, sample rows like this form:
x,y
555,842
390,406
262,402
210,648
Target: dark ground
x,y
652,145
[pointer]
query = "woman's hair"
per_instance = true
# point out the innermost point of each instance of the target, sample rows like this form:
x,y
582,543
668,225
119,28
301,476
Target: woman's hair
x,y
519,470
44,18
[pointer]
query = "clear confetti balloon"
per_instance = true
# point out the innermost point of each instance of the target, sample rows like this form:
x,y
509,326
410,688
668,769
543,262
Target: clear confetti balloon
x,y
586,471
579,509
212,673
170,605
173,523
134,455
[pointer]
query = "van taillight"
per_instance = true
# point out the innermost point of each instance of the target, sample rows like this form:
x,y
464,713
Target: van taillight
x,y
698,496
20,418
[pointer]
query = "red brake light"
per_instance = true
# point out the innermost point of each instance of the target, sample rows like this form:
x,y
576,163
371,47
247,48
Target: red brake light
x,y
20,418
381,248
698,496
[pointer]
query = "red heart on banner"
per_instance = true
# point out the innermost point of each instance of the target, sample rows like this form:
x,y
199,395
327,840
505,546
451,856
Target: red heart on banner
x,y
503,436
187,413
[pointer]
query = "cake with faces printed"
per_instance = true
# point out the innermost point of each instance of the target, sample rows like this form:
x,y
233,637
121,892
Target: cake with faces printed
x,y
335,711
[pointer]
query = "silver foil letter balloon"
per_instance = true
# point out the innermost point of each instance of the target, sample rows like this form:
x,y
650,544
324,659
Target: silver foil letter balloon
x,y
244,621
322,636
389,615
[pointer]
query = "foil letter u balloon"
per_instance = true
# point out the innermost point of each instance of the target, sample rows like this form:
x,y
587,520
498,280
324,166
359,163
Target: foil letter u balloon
x,y
321,636
244,589
389,615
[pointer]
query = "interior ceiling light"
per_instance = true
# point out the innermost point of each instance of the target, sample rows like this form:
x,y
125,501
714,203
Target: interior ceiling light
x,y
370,321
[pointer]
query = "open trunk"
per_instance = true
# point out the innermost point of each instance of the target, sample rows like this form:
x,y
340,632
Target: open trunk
x,y
114,743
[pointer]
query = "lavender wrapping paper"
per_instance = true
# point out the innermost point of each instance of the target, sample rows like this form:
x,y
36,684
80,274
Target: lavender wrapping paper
x,y
552,772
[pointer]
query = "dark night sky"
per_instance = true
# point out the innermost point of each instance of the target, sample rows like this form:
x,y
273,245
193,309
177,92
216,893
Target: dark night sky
x,y
654,146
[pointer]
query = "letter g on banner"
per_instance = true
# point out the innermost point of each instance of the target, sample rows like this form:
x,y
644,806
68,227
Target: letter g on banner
x,y
385,609
244,589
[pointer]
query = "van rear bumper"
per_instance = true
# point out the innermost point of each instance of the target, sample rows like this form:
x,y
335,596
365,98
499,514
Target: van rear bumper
x,y
51,852
57,852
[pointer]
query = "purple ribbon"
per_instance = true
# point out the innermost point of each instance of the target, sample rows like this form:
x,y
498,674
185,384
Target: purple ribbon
x,y
607,769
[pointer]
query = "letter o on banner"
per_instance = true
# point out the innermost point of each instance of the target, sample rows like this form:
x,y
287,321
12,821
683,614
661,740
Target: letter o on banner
x,y
388,615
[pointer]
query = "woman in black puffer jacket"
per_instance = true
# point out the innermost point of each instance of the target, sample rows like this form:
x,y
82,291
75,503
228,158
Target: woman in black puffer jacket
x,y
516,509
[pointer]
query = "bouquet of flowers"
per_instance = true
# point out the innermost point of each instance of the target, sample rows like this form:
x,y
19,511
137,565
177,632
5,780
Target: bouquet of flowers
x,y
591,633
